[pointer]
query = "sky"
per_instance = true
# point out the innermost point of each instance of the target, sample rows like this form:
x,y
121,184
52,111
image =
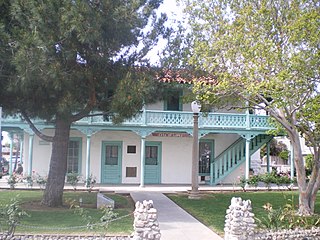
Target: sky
x,y
174,12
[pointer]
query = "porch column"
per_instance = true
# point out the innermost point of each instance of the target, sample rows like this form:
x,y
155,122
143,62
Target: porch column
x,y
143,147
268,157
291,162
248,137
247,159
11,152
30,155
21,148
88,157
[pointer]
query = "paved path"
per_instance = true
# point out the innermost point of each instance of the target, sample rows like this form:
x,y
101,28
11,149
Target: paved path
x,y
175,223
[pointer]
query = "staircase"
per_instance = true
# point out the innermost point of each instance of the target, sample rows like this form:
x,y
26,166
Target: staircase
x,y
233,156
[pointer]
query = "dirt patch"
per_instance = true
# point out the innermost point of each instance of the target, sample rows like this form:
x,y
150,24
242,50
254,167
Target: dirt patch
x,y
37,206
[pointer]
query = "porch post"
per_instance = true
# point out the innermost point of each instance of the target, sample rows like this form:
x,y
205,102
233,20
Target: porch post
x,y
268,157
143,147
11,152
88,157
291,162
31,136
21,148
248,137
247,159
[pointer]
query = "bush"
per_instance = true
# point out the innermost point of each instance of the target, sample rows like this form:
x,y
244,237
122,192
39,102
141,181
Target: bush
x,y
73,178
286,217
90,182
10,216
13,180
254,180
41,181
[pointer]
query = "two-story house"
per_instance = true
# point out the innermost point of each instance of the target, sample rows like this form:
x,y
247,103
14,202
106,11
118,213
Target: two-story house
x,y
153,147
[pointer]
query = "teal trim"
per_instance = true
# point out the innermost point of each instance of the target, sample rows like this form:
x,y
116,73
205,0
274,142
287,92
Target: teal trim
x,y
233,156
79,140
111,173
152,173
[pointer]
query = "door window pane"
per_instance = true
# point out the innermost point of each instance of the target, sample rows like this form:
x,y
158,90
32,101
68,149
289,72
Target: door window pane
x,y
111,155
151,155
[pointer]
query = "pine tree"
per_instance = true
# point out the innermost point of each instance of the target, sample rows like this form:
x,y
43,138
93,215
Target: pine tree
x,y
67,57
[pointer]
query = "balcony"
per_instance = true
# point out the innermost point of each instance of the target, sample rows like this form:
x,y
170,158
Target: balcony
x,y
165,120
185,120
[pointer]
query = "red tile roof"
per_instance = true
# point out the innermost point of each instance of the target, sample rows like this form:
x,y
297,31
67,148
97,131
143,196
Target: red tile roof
x,y
185,77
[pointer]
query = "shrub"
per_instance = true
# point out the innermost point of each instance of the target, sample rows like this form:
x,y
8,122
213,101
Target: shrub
x,y
243,183
29,179
286,217
254,180
13,180
41,181
73,178
10,216
90,182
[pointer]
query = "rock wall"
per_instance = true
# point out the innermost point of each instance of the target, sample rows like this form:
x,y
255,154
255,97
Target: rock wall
x,y
146,226
239,223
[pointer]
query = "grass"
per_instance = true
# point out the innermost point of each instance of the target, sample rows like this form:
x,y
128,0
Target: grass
x,y
61,220
211,208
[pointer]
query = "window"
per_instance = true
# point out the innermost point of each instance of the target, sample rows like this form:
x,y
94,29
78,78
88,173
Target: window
x,y
111,155
151,155
173,101
74,152
131,171
131,149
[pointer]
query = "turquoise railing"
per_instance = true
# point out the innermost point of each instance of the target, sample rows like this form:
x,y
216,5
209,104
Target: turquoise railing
x,y
233,156
185,119
175,119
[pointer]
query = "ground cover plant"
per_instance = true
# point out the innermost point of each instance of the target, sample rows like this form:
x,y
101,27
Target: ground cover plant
x,y
211,208
43,219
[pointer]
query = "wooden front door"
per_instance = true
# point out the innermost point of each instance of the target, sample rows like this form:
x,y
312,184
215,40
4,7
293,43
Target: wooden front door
x,y
111,162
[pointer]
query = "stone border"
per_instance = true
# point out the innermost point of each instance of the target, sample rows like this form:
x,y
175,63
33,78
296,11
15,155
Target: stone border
x,y
65,237
240,225
299,233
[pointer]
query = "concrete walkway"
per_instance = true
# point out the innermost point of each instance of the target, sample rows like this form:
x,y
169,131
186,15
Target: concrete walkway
x,y
175,223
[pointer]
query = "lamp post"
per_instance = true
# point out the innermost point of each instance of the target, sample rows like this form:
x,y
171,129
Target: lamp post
x,y
194,194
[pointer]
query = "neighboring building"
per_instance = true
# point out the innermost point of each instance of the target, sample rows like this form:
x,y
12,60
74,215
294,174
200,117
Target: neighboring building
x,y
154,147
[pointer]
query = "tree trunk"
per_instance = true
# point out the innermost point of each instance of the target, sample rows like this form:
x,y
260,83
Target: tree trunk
x,y
306,201
58,165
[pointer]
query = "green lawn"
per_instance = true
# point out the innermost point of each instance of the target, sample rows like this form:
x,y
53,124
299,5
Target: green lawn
x,y
63,220
211,208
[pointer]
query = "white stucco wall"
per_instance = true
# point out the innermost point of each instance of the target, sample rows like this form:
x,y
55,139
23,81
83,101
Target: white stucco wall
x,y
41,154
176,159
128,160
176,156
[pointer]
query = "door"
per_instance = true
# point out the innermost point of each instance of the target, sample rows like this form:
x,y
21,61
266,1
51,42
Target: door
x,y
111,162
152,161
205,157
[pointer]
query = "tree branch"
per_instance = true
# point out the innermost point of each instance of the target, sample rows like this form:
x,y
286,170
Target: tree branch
x,y
34,129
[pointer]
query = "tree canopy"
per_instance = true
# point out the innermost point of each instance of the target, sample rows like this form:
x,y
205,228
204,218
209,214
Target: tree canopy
x,y
62,59
264,54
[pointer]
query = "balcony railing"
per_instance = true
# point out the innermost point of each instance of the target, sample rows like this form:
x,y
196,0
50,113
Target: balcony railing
x,y
185,119
172,119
